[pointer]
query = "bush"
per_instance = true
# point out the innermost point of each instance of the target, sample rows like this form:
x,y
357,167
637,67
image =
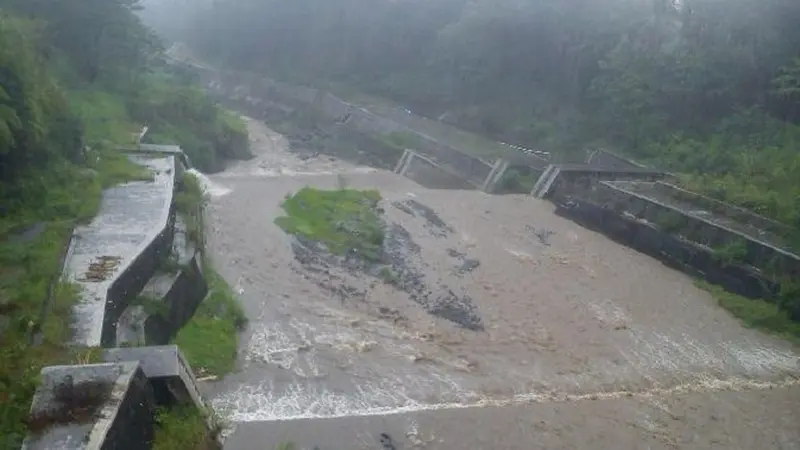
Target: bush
x,y
186,116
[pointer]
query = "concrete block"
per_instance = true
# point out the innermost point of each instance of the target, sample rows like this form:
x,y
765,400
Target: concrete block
x,y
98,406
167,370
112,257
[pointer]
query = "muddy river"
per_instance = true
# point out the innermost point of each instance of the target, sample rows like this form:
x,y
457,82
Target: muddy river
x,y
510,328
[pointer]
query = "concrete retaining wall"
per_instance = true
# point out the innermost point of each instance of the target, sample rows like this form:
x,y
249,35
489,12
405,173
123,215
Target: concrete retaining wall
x,y
768,259
112,406
610,160
132,280
723,209
112,258
98,406
674,251
428,173
578,178
181,301
683,238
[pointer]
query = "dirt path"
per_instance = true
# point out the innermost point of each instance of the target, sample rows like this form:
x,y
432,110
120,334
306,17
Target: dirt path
x,y
512,309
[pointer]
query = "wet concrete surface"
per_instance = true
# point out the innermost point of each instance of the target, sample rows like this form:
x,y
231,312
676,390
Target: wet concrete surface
x,y
131,216
566,315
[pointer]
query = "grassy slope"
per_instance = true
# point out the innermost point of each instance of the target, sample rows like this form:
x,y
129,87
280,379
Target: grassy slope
x,y
27,270
344,220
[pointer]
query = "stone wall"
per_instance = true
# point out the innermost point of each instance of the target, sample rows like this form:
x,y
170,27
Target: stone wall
x,y
168,372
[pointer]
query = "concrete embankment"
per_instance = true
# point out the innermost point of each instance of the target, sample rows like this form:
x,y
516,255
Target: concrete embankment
x,y
115,260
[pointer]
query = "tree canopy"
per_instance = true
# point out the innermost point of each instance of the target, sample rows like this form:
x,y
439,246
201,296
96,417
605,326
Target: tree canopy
x,y
708,87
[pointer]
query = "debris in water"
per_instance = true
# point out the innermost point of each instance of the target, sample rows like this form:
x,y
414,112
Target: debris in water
x,y
467,264
542,234
386,442
459,310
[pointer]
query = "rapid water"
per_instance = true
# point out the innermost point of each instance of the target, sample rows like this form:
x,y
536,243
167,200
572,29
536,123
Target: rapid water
x,y
564,312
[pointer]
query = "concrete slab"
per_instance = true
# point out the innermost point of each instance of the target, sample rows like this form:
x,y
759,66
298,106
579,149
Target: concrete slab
x,y
131,216
91,407
166,368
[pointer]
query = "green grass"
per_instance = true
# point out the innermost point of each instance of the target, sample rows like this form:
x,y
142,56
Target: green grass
x,y
104,115
151,306
190,202
183,428
185,115
232,121
757,314
58,197
114,168
211,338
345,220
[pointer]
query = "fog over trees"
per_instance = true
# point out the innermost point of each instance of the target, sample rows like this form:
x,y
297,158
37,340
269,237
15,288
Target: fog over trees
x,y
710,87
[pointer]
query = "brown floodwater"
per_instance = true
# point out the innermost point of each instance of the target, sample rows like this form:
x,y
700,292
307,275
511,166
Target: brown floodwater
x,y
520,330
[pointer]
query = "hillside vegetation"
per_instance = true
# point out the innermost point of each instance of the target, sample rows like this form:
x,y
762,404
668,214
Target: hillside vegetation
x,y
708,88
77,79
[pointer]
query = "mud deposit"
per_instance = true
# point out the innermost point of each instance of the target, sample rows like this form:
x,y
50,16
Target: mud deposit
x,y
401,267
309,135
500,325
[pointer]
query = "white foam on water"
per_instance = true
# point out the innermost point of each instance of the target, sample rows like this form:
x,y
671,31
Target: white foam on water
x,y
268,402
287,172
265,403
209,187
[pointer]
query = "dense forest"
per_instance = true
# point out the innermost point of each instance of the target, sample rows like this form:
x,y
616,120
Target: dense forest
x,y
78,79
704,87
